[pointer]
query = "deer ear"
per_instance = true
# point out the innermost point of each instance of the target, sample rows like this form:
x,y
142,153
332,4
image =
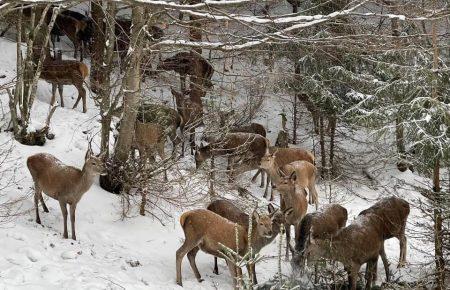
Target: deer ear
x,y
256,216
293,176
271,209
88,153
102,155
288,212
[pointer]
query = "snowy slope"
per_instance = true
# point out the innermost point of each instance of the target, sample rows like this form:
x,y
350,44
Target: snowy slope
x,y
36,257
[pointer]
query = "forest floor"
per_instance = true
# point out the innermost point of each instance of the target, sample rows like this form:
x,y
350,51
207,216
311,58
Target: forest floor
x,y
137,252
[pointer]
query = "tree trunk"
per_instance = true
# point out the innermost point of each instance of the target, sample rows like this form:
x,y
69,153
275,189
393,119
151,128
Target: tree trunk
x,y
131,90
323,153
332,124
295,121
438,230
98,46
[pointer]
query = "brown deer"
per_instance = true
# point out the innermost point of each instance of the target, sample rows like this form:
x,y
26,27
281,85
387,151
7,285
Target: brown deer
x,y
73,29
192,114
207,231
359,243
394,212
66,184
231,212
149,138
255,128
244,148
65,72
285,156
188,63
306,172
293,204
322,224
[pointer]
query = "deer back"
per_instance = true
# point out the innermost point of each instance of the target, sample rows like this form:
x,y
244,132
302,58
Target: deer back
x,y
52,176
148,134
394,212
229,211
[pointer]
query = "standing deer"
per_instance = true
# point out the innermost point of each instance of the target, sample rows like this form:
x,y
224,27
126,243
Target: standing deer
x,y
188,63
65,72
359,243
207,231
306,172
393,211
64,183
229,211
192,114
245,149
284,156
73,29
293,204
323,224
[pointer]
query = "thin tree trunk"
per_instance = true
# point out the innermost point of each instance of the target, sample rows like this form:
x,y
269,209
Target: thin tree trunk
x,y
295,121
332,124
98,46
323,153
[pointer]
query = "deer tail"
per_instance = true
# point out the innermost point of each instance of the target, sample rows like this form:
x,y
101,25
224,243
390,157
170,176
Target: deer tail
x,y
84,70
183,218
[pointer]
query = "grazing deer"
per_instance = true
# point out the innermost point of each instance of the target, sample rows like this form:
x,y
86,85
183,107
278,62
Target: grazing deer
x,y
207,231
255,128
293,204
282,157
66,184
192,114
188,63
65,72
306,171
229,211
394,212
244,148
323,224
359,243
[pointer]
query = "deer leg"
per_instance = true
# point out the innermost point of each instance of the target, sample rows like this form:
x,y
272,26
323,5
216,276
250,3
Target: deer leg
x,y
81,95
271,191
162,155
216,268
313,196
44,206
191,257
36,203
60,90
73,207
192,140
287,228
63,206
371,267
256,175
385,264
403,245
263,178
52,101
183,83
181,252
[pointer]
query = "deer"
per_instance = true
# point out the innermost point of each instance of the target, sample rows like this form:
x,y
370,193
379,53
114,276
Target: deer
x,y
149,138
192,115
60,72
293,204
322,224
394,212
244,148
73,29
282,157
207,231
84,35
188,63
255,128
66,184
306,171
358,243
231,212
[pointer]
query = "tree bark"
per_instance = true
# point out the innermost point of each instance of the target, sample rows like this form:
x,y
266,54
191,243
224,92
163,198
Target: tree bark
x,y
323,153
98,46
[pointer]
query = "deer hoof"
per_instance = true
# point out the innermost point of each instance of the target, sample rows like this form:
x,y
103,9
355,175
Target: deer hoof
x,y
65,236
38,221
216,272
200,280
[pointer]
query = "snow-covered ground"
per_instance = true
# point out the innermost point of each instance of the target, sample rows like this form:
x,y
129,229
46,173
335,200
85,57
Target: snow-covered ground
x,y
139,252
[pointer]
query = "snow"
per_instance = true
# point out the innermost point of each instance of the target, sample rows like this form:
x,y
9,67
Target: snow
x,y
137,252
